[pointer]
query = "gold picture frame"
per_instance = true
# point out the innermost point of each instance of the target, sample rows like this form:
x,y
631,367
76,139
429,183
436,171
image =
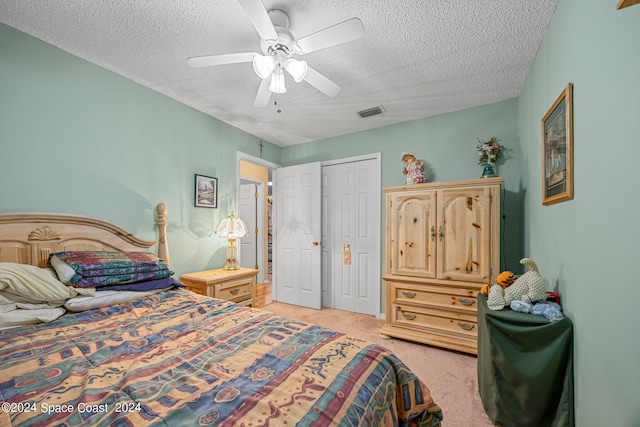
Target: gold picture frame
x,y
626,3
557,149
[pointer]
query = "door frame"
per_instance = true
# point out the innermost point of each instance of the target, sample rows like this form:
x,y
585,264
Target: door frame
x,y
240,156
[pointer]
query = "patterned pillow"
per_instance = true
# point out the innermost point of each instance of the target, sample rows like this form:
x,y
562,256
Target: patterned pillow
x,y
97,268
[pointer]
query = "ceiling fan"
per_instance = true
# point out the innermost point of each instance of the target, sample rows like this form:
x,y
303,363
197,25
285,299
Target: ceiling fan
x,y
279,45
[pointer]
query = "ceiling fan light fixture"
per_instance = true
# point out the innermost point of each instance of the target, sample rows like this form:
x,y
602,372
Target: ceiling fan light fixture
x,y
277,82
263,65
278,44
297,69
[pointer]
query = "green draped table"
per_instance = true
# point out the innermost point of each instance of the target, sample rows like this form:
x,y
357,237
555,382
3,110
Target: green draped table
x,y
525,368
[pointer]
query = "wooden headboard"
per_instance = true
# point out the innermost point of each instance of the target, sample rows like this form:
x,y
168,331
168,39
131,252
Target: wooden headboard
x,y
29,238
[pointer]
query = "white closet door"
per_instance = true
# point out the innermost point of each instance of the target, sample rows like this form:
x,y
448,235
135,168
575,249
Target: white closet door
x,y
297,235
351,221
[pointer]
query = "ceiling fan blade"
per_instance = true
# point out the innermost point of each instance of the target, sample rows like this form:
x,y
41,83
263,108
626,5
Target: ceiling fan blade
x,y
230,58
259,17
321,83
264,95
348,30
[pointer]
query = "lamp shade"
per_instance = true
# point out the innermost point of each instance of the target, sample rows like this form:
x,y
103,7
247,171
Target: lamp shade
x,y
297,69
231,227
263,65
277,82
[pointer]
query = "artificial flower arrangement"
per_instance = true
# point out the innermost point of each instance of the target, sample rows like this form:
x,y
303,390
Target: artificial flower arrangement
x,y
489,151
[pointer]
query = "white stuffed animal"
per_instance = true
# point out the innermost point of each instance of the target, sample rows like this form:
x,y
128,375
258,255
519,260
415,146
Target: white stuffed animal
x,y
528,288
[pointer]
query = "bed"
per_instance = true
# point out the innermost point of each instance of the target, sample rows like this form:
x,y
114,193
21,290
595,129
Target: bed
x,y
170,357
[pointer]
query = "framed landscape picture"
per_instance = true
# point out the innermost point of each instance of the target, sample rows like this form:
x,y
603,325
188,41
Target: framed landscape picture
x,y
206,192
557,149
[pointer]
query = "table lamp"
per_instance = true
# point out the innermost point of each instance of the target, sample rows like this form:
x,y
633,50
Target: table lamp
x,y
231,228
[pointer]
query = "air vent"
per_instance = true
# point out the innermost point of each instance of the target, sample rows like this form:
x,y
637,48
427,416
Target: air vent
x,y
371,112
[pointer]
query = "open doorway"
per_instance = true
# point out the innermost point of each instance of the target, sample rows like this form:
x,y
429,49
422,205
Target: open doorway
x,y
251,210
254,193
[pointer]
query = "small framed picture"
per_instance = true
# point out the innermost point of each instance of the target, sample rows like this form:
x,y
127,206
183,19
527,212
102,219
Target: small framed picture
x,y
557,150
206,192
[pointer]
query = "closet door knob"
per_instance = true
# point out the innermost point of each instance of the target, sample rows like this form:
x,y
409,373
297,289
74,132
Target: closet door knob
x,y
440,233
314,243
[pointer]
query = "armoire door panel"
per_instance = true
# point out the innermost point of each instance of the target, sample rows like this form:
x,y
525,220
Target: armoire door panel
x,y
464,247
413,222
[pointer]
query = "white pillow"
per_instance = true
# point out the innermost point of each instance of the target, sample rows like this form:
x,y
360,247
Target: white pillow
x,y
103,299
21,317
64,271
29,283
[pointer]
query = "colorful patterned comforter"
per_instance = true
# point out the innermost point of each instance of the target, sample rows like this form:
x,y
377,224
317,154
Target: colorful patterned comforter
x,y
180,359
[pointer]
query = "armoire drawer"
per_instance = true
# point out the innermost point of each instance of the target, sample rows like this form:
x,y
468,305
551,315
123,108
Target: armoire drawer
x,y
435,296
461,324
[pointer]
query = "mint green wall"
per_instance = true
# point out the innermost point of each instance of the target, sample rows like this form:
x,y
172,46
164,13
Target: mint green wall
x,y
445,143
588,247
75,135
77,138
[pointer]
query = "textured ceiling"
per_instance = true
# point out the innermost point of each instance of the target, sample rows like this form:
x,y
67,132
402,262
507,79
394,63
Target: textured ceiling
x,y
418,58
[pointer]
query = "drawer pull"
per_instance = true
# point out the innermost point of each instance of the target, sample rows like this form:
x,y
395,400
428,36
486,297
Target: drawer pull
x,y
408,316
234,291
466,301
466,326
408,294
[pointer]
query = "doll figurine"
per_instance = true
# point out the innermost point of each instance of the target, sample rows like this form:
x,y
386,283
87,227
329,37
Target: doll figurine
x,y
413,169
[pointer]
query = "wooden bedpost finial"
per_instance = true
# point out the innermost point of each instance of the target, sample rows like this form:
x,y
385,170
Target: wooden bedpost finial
x,y
161,221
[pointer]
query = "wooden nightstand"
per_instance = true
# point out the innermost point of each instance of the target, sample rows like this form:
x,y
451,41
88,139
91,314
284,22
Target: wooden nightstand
x,y
233,285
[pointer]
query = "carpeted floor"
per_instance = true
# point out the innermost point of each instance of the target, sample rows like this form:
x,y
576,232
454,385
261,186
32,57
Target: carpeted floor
x,y
451,376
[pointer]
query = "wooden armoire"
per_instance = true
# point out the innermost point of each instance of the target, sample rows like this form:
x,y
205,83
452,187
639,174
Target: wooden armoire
x,y
442,245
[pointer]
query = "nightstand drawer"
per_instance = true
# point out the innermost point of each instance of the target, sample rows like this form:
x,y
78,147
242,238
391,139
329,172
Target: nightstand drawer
x,y
232,285
236,290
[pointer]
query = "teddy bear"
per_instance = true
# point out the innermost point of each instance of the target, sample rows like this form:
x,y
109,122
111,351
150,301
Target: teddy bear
x,y
495,293
504,279
528,288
